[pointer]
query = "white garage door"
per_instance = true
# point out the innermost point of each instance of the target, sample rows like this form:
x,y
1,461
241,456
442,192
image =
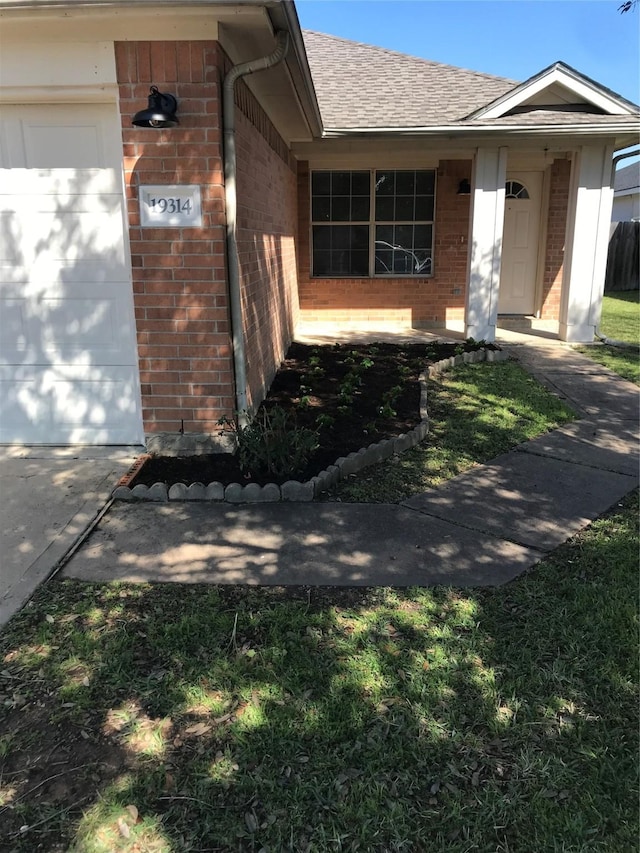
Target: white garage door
x,y
68,360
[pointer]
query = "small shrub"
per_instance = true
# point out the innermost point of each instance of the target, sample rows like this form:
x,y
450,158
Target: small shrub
x,y
273,443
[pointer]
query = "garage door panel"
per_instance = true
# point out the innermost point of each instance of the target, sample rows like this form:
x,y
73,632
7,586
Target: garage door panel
x,y
70,328
62,235
54,146
68,357
20,185
58,136
71,405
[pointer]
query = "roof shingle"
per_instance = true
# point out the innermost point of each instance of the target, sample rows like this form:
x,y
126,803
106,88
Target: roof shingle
x,y
377,87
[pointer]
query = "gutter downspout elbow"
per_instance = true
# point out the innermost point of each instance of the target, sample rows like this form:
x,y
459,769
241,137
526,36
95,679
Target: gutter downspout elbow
x,y
231,208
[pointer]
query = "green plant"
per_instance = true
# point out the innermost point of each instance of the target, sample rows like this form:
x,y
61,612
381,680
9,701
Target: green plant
x,y
273,443
325,421
387,411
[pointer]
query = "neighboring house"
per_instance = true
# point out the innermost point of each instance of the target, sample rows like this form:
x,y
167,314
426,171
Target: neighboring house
x,y
626,194
369,186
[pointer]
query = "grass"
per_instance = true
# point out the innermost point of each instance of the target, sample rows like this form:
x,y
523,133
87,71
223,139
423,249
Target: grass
x,y
476,412
179,718
620,322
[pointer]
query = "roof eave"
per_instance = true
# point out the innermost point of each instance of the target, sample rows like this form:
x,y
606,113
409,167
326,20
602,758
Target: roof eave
x,y
466,130
284,16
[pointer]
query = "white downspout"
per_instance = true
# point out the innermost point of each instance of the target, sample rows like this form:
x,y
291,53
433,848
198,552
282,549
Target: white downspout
x,y
231,205
614,163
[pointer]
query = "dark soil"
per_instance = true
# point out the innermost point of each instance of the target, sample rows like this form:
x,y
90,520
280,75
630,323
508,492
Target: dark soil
x,y
308,384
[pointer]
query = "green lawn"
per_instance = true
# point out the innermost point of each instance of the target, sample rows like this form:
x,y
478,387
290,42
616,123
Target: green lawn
x,y
476,412
620,322
189,718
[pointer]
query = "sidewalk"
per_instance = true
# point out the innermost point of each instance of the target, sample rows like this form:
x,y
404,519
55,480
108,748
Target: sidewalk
x,y
481,528
50,495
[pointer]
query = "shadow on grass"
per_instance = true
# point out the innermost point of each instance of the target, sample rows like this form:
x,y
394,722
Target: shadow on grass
x,y
322,719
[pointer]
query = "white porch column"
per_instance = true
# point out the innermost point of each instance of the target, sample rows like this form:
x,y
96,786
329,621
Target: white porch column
x,y
485,244
586,243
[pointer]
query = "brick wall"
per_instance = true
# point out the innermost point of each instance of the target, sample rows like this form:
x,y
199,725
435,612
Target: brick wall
x,y
267,220
179,278
421,302
556,228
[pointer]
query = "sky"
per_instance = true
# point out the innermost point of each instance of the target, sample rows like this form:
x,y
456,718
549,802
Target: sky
x,y
509,38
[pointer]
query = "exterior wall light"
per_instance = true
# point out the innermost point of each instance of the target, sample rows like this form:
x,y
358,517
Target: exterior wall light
x,y
464,187
160,111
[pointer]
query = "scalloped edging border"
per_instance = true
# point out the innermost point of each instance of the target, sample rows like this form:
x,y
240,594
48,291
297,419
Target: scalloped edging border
x,y
294,490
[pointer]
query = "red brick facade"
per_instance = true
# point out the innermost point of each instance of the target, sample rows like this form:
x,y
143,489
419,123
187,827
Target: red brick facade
x,y
420,302
179,274
267,220
556,232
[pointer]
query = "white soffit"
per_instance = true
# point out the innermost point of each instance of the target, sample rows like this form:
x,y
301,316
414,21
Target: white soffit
x,y
558,78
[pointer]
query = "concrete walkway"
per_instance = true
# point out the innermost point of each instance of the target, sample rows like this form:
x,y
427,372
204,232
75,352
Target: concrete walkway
x,y
483,527
50,495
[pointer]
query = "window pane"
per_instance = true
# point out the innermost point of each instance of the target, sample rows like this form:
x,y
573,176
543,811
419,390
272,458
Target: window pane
x,y
321,208
360,209
422,236
359,263
321,183
340,209
422,264
411,192
341,183
384,209
403,236
384,259
385,233
340,237
360,183
405,183
341,250
425,182
402,262
360,237
404,255
385,183
321,237
404,209
424,207
321,263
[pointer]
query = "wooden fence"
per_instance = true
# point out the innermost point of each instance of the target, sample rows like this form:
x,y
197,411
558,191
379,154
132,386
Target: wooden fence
x,y
623,261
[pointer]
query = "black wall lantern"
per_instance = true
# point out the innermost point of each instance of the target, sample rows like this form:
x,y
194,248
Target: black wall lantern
x,y
160,111
464,187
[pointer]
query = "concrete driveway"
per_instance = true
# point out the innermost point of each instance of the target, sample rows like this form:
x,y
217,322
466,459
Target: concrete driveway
x,y
48,498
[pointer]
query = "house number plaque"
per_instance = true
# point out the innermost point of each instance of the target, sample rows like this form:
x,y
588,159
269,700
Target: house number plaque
x,y
165,206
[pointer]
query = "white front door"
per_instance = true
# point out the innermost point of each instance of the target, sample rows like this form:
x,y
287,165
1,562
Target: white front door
x,y
519,266
68,354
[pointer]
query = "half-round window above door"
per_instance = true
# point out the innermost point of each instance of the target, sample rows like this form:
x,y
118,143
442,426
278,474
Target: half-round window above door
x,y
514,189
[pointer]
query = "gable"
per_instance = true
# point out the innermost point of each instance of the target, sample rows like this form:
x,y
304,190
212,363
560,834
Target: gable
x,y
558,88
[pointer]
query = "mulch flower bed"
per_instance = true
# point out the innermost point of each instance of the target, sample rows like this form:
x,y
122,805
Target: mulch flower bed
x,y
353,395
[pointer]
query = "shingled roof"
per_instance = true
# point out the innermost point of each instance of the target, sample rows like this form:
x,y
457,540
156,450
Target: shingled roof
x,y
628,178
359,86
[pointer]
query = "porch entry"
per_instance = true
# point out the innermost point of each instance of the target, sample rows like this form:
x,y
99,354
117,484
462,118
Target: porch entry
x,y
519,266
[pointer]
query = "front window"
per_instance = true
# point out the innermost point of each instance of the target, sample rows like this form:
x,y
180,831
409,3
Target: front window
x,y
368,223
